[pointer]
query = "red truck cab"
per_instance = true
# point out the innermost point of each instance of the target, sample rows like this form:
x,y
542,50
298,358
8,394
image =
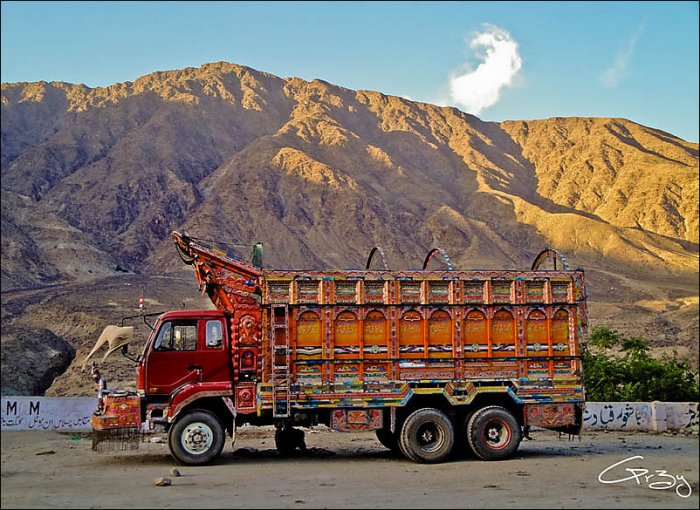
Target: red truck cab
x,y
186,347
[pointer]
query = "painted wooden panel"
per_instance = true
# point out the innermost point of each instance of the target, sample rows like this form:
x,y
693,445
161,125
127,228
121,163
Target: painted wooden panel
x,y
410,292
345,292
308,291
308,336
501,291
474,292
560,292
475,335
374,292
536,334
411,330
440,335
439,292
560,333
534,292
503,334
346,336
376,336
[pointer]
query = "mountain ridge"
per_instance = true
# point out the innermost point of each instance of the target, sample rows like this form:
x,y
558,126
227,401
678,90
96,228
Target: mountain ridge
x,y
95,179
505,159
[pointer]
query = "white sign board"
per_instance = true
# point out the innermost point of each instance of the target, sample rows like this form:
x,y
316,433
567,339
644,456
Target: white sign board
x,y
48,413
644,416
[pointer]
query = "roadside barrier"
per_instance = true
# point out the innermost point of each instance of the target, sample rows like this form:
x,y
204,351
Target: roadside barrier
x,y
48,413
73,414
643,416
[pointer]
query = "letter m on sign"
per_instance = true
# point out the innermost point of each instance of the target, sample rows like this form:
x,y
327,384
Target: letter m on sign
x,y
11,407
34,407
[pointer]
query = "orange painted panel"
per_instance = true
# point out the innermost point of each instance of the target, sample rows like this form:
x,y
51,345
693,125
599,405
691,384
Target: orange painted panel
x,y
560,333
376,334
475,337
346,336
536,334
411,328
503,334
440,335
308,336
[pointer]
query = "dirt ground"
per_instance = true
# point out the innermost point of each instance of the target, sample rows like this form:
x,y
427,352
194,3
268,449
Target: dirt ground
x,y
43,469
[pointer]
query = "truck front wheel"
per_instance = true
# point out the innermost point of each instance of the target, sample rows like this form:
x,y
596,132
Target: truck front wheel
x,y
196,438
427,436
493,433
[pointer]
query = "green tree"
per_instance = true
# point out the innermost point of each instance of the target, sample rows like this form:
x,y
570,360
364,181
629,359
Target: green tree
x,y
632,374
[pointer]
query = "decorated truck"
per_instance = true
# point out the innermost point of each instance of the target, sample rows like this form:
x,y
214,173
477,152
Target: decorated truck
x,y
435,361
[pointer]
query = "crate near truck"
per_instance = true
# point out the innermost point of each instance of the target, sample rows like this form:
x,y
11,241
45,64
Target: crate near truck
x,y
434,361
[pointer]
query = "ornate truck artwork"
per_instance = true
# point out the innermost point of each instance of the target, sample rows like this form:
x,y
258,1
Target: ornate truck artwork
x,y
428,359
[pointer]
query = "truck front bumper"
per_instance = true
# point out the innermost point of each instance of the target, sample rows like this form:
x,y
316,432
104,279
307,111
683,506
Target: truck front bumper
x,y
116,424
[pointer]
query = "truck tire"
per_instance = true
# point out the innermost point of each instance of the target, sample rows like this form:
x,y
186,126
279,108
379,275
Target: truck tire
x,y
388,439
196,438
493,433
427,436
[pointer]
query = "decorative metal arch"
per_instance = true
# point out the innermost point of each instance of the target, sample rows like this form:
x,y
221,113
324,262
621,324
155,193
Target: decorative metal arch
x,y
549,253
371,254
433,252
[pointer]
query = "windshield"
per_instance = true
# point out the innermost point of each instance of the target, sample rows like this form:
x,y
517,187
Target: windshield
x,y
164,338
154,330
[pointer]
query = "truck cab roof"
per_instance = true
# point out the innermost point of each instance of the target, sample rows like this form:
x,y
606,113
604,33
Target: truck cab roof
x,y
188,314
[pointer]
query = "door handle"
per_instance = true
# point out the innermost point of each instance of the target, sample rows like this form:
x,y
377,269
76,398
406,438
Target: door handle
x,y
198,369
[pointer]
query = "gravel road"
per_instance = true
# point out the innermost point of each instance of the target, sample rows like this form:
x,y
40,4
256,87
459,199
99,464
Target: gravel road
x,y
42,469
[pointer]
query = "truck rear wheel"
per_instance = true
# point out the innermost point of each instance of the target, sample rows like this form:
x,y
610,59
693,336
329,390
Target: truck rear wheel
x,y
427,436
196,438
493,433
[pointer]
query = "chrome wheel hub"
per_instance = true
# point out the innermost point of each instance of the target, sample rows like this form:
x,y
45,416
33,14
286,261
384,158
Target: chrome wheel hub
x,y
197,438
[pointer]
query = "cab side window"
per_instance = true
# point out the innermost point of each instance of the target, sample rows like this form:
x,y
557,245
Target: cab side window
x,y
214,335
177,336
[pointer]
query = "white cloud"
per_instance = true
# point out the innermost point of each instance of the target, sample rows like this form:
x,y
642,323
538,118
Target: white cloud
x,y
611,76
480,88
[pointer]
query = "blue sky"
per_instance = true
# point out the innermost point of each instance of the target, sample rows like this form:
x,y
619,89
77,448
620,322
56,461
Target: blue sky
x,y
498,60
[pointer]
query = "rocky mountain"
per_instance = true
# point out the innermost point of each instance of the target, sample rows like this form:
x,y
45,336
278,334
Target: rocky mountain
x,y
94,179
